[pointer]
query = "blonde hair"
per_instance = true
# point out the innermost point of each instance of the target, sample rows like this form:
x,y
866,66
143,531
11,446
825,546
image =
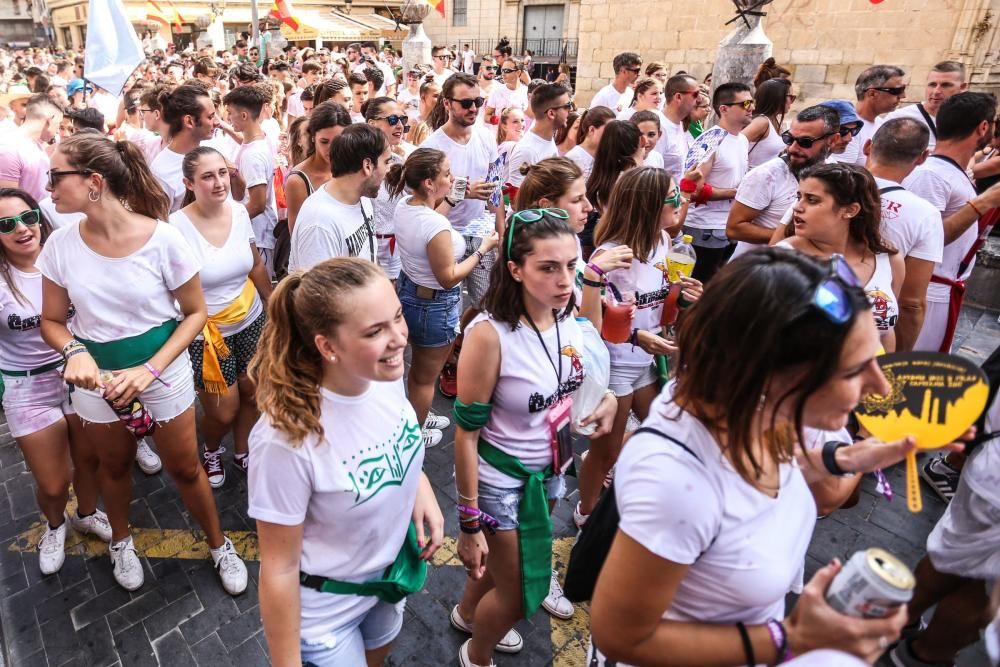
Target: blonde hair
x,y
288,368
504,116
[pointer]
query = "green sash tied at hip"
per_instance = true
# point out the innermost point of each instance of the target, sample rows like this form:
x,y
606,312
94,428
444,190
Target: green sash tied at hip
x,y
132,351
404,576
534,530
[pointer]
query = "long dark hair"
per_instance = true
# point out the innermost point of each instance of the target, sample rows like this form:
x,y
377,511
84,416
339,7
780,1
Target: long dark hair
x,y
850,184
44,228
632,216
615,154
769,99
754,321
505,299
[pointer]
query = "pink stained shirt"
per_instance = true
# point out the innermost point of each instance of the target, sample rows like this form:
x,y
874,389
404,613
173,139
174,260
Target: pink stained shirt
x,y
24,161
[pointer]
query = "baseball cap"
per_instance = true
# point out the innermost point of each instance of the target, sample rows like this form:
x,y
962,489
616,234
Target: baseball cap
x,y
88,118
76,85
845,110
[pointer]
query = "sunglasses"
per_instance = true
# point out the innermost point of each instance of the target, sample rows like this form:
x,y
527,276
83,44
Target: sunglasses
x,y
568,106
392,119
469,101
634,71
28,218
746,104
831,296
509,71
804,142
853,131
530,215
791,98
55,175
442,57
898,92
673,200
491,68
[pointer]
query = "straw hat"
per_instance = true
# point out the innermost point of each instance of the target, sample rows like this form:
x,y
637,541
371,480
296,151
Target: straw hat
x,y
16,92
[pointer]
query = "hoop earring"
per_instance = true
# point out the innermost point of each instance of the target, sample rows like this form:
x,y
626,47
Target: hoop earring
x,y
94,196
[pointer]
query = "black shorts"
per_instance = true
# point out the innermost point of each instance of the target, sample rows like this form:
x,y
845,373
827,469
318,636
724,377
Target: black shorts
x,y
242,346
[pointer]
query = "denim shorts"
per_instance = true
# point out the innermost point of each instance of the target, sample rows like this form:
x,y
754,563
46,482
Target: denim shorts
x,y
432,322
502,504
347,645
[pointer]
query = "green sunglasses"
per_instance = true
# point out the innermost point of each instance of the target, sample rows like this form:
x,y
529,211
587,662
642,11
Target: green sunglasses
x,y
530,215
674,201
28,218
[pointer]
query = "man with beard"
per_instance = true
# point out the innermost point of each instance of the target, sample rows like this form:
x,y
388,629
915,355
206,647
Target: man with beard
x,y
337,220
680,96
189,114
768,191
550,103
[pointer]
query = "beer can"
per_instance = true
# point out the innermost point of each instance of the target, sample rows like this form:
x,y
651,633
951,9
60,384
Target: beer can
x,y
458,188
872,584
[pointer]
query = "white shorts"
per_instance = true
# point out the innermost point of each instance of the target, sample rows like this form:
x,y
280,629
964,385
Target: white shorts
x,y
163,403
932,332
627,379
35,402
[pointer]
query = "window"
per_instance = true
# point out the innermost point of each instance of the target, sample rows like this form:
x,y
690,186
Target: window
x,y
460,13
67,37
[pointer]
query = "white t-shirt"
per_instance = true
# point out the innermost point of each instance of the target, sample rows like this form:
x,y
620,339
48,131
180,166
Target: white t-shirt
x,y
583,159
468,57
119,297
256,164
885,307
410,103
612,99
854,153
167,168
295,107
326,227
353,494
55,218
21,344
472,160
503,97
674,145
654,159
910,223
224,270
770,188
531,149
745,549
439,79
913,111
728,169
946,187
25,162
416,226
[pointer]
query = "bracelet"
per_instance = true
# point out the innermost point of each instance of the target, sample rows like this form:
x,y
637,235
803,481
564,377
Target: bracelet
x,y
747,645
830,458
596,269
73,352
156,374
591,283
450,202
467,498
634,338
975,208
72,344
479,254
470,530
780,638
474,514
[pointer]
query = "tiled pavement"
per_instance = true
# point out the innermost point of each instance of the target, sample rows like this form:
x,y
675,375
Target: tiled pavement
x,y
182,616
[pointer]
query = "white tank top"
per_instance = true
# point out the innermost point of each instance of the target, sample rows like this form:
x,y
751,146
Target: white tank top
x,y
879,291
525,390
769,147
21,344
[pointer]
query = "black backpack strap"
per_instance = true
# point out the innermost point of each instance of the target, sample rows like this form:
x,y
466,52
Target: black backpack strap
x,y
650,429
890,188
927,119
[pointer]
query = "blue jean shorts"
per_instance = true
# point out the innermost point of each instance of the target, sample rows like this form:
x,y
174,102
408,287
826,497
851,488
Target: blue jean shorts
x,y
503,504
431,321
347,646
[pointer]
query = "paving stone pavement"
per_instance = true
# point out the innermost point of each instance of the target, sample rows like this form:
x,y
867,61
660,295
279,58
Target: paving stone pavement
x,y
183,617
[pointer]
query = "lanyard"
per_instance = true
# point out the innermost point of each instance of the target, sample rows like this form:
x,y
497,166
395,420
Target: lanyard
x,y
538,333
950,161
370,229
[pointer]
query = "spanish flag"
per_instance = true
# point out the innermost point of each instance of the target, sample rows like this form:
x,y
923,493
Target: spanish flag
x,y
282,10
178,19
154,13
437,5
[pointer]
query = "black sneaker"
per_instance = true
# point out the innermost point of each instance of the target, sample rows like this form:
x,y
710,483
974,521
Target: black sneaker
x,y
941,477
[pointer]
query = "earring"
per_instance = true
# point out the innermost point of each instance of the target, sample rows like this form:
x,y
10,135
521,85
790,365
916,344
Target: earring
x,y
333,358
94,196
761,401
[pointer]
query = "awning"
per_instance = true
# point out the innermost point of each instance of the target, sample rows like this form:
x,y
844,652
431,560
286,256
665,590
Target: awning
x,y
338,27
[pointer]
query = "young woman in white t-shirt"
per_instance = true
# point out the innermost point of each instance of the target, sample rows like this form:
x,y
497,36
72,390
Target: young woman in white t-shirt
x,y
429,284
839,212
588,137
236,287
510,129
520,365
36,400
716,518
335,473
326,122
139,304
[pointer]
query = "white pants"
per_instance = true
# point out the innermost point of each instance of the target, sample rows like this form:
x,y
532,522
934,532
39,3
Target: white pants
x,y
932,332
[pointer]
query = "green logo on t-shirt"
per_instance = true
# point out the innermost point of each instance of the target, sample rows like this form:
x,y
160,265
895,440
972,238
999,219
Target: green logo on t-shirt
x,y
388,468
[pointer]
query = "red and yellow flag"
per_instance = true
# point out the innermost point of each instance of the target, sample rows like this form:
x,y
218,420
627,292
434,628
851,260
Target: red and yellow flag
x,y
437,5
178,19
155,13
282,10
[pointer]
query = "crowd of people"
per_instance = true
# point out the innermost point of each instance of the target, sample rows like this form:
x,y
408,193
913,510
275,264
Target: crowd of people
x,y
270,233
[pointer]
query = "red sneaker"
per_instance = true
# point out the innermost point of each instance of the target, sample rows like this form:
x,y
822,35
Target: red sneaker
x,y
448,381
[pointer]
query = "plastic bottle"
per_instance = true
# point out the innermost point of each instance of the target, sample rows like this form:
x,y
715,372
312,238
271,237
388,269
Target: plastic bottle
x,y
681,259
597,372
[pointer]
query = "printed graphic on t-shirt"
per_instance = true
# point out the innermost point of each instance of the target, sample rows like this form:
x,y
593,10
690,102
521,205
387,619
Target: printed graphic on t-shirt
x,y
536,403
880,308
380,466
358,241
15,323
890,209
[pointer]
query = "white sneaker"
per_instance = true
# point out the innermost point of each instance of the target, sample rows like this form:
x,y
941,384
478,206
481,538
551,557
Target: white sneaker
x,y
556,603
126,565
463,657
52,548
509,643
431,437
96,524
230,567
434,420
212,463
148,460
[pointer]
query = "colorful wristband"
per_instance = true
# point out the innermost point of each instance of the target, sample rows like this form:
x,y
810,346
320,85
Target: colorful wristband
x,y
596,269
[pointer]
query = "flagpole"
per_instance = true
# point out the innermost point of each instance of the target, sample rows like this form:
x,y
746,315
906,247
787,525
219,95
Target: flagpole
x,y
254,24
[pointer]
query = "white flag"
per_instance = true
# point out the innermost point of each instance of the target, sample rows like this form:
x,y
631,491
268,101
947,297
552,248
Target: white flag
x,y
113,50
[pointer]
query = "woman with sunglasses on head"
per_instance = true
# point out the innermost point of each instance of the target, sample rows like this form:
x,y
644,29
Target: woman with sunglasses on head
x,y
716,513
772,101
336,483
520,365
36,400
512,93
430,93
139,305
619,150
236,287
839,212
588,137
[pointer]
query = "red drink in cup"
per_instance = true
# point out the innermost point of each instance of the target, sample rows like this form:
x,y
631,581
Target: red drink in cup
x,y
670,306
616,326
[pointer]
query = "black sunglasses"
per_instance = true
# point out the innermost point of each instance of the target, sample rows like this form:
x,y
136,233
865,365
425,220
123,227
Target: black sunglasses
x,y
392,119
635,70
804,142
56,175
28,218
469,101
568,106
898,92
853,131
509,71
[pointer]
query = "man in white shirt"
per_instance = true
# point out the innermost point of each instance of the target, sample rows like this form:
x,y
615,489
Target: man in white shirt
x,y
879,90
681,97
468,59
945,79
617,95
369,52
359,95
190,114
338,219
512,93
24,163
353,53
717,163
440,58
910,223
310,75
770,189
551,104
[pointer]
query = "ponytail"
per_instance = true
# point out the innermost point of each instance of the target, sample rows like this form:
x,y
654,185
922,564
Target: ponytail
x,y
422,164
144,195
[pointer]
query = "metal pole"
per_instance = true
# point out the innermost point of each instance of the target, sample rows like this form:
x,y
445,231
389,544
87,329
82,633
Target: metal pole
x,y
254,27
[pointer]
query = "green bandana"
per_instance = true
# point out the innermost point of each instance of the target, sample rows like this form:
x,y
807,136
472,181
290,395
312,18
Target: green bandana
x,y
132,351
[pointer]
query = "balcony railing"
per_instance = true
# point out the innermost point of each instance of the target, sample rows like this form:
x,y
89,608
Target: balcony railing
x,y
546,50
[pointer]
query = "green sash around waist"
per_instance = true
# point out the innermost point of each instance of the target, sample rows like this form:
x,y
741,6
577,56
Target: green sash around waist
x,y
534,525
132,351
406,575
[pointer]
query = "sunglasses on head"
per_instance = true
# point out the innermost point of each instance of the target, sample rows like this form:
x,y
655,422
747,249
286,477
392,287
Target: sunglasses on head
x,y
853,131
831,296
469,101
673,200
392,119
804,142
898,91
55,175
530,215
28,218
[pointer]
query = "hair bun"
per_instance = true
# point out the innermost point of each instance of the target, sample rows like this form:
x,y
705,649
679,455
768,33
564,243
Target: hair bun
x,y
525,168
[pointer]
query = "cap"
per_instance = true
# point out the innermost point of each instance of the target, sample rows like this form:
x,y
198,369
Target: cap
x,y
76,85
88,118
845,109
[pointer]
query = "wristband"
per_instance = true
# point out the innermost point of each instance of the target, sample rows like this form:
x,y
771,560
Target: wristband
x,y
634,338
780,638
470,530
688,186
156,374
830,458
75,351
479,254
975,208
450,202
747,645
596,269
591,283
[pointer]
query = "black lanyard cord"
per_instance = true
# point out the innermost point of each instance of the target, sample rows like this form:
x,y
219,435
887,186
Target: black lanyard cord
x,y
538,333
